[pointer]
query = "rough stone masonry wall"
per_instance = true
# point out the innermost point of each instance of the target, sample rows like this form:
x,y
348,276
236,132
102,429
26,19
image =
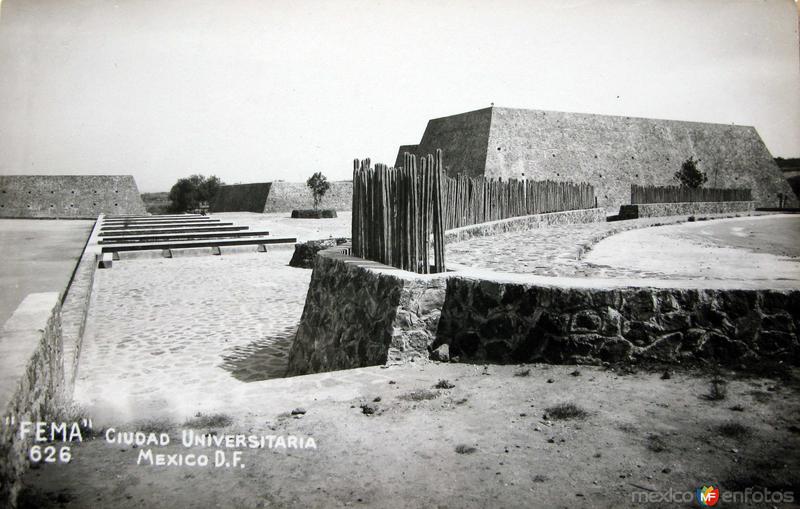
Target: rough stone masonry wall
x,y
241,198
68,196
288,196
682,209
31,379
361,313
514,322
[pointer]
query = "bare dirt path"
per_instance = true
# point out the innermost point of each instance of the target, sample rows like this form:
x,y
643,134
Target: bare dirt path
x,y
491,440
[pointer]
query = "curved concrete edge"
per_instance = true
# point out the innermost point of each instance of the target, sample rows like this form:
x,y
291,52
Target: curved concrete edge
x,y
31,382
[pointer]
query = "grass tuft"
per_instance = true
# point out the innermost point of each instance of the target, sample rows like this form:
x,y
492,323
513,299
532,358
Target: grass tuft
x,y
734,430
564,411
209,421
419,395
465,449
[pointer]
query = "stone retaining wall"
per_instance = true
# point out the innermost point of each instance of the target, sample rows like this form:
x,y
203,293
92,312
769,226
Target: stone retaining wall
x,y
75,307
484,320
523,223
31,379
361,313
68,196
684,208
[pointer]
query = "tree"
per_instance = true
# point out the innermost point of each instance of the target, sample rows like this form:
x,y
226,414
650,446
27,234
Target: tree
x,y
689,175
319,185
187,193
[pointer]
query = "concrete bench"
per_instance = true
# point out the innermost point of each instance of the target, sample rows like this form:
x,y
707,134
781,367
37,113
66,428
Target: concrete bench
x,y
160,222
142,246
129,239
105,228
163,220
153,231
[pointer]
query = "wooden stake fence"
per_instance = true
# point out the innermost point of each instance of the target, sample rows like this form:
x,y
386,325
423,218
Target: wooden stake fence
x,y
479,200
396,211
675,194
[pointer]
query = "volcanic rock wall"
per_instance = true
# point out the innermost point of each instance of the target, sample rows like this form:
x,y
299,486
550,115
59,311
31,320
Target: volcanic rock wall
x,y
68,196
485,320
361,313
241,198
609,152
288,196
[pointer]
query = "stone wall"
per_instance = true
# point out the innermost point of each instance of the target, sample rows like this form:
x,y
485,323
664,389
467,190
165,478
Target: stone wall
x,y
609,152
31,379
524,223
484,320
361,313
684,209
68,196
241,198
287,196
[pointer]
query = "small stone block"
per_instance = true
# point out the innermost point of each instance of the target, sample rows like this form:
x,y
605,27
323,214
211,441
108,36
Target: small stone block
x,y
262,248
215,251
166,253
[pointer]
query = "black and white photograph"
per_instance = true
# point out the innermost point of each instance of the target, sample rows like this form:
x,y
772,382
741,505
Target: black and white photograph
x,y
399,254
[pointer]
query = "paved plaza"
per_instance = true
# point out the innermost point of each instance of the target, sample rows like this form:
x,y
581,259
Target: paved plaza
x,y
727,249
38,256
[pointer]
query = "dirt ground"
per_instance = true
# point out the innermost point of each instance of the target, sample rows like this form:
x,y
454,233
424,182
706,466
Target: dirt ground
x,y
491,440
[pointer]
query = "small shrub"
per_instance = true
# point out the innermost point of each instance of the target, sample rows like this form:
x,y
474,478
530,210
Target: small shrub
x,y
564,411
689,175
465,449
443,384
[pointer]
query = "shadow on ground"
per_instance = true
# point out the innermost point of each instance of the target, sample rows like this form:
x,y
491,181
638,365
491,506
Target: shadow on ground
x,y
260,360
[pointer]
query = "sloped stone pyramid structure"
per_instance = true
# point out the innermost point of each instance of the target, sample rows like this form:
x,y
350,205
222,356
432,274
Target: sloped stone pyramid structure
x,y
609,152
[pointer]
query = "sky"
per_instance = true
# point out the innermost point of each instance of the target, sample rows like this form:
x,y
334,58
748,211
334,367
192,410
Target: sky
x,y
261,91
